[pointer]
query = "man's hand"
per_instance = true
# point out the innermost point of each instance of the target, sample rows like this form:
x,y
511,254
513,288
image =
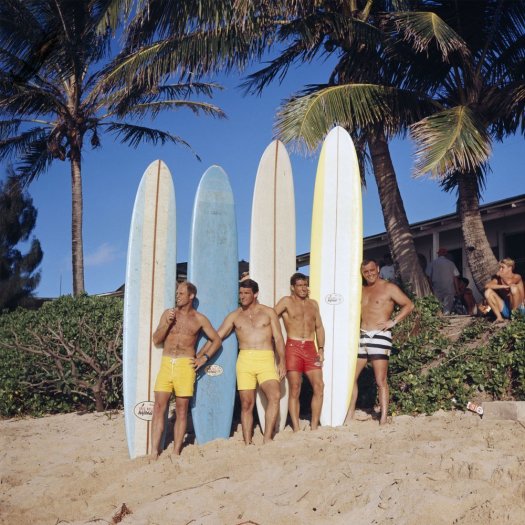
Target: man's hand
x,y
320,355
281,368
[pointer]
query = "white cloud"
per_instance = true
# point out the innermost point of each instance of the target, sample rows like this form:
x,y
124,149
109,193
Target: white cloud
x,y
104,254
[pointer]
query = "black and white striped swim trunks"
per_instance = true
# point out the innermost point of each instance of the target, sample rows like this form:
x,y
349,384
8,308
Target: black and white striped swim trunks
x,y
375,344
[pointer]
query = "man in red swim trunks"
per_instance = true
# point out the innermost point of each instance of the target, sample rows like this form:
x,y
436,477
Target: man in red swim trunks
x,y
303,324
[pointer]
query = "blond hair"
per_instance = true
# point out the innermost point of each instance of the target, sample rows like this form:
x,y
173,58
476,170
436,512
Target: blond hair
x,y
508,262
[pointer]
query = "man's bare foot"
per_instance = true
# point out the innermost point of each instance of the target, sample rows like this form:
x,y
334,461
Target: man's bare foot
x,y
385,421
500,321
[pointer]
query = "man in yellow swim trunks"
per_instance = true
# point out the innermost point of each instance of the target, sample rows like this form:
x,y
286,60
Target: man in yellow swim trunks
x,y
258,329
178,329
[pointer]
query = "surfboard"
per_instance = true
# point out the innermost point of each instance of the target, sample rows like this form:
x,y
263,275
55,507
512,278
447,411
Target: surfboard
x,y
335,259
149,290
214,269
272,244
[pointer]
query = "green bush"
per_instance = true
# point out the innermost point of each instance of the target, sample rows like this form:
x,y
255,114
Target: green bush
x,y
65,356
430,372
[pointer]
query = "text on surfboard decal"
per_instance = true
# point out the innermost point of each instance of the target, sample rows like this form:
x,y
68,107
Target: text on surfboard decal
x,y
214,370
144,410
333,299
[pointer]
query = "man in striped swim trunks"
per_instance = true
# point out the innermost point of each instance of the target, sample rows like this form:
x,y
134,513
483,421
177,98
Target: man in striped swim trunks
x,y
178,330
378,300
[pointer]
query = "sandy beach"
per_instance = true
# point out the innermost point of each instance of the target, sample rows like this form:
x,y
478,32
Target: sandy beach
x,y
449,468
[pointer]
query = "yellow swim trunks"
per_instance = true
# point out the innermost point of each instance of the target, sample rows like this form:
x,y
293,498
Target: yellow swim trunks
x,y
176,374
255,366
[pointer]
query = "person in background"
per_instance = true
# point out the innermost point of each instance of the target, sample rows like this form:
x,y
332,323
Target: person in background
x,y
444,277
388,271
505,292
466,297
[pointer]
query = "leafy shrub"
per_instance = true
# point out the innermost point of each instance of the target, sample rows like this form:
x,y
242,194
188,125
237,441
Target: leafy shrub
x,y
66,355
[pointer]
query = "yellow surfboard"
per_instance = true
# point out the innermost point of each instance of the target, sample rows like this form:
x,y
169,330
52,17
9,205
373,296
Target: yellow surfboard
x,y
335,259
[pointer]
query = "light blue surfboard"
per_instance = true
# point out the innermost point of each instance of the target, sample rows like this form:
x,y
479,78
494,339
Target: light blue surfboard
x,y
150,289
213,268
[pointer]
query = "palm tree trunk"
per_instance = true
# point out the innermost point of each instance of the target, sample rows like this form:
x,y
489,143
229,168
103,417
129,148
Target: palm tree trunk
x,y
76,224
480,258
400,238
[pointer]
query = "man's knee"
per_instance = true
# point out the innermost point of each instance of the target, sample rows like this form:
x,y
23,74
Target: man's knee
x,y
318,387
489,293
294,388
247,404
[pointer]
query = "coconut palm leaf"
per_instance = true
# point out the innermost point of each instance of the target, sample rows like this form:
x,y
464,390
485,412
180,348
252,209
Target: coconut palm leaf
x,y
421,29
452,140
307,118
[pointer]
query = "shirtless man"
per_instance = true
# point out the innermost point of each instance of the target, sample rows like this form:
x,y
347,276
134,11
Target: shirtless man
x,y
378,300
178,329
257,329
303,324
505,292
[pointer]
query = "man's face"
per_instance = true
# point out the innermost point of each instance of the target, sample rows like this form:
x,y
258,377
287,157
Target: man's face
x,y
504,270
300,288
183,297
246,296
370,272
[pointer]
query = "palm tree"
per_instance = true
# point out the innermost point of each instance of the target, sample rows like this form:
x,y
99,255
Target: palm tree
x,y
479,99
56,92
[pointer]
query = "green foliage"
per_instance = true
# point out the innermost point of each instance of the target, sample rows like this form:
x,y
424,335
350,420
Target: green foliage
x,y
430,372
18,275
65,356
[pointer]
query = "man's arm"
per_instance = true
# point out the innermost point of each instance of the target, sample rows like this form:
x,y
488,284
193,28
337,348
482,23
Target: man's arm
x,y
280,307
319,332
493,284
405,304
223,332
279,342
166,320
213,343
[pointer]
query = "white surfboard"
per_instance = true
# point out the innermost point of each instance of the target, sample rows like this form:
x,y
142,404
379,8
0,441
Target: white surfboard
x,y
335,259
272,244
150,289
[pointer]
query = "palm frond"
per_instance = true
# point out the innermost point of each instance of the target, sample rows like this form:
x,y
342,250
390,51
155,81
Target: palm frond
x,y
306,118
154,108
18,145
110,14
422,29
133,135
450,140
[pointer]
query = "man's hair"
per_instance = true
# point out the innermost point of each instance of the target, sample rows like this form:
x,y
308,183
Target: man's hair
x,y
249,283
464,280
368,261
192,289
297,276
508,262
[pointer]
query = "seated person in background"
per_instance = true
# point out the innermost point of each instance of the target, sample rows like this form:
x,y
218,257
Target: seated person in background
x,y
466,296
505,292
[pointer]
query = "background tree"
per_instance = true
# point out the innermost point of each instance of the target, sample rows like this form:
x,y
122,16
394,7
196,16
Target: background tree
x,y
55,61
18,275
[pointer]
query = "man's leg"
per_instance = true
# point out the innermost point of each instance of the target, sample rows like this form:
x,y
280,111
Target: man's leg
x,y
380,367
294,386
247,398
272,391
316,380
157,423
361,363
181,422
495,302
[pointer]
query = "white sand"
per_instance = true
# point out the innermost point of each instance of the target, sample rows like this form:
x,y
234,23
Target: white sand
x,y
450,468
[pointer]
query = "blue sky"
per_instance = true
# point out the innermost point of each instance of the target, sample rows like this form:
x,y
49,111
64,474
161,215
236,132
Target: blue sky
x,y
111,176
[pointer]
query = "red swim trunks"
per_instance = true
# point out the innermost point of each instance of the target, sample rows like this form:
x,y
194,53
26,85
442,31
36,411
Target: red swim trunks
x,y
301,356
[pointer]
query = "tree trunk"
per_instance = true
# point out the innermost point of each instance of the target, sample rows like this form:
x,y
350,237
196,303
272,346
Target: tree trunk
x,y
76,224
400,238
480,258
